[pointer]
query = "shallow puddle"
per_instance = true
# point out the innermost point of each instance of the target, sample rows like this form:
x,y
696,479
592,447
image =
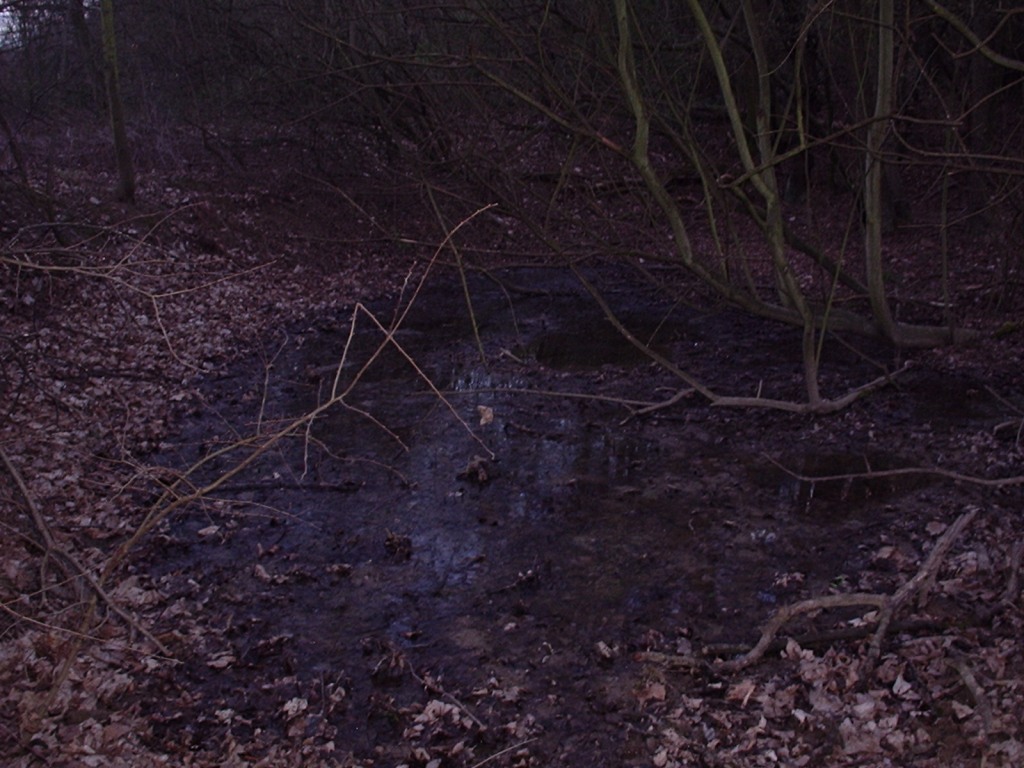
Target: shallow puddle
x,y
495,529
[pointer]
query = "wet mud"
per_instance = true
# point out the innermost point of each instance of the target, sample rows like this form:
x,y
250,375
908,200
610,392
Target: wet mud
x,y
510,549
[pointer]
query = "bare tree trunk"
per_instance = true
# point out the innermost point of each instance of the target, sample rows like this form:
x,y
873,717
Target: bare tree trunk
x,y
773,227
873,174
125,190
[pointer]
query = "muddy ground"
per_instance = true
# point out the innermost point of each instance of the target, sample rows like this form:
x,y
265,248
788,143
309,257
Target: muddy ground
x,y
492,555
483,574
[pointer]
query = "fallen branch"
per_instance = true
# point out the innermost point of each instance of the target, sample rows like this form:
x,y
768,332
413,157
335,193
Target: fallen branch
x,y
680,395
788,612
695,663
1012,591
921,583
623,401
887,605
505,751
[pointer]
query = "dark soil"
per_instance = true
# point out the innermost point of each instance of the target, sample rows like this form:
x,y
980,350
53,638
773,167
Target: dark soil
x,y
407,551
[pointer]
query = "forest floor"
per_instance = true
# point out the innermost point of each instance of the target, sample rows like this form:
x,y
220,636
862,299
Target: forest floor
x,y
242,530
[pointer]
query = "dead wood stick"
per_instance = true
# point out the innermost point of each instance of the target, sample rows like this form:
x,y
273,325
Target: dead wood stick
x,y
657,357
921,582
697,661
1008,599
37,518
788,612
680,395
887,605
1009,596
505,751
824,638
624,401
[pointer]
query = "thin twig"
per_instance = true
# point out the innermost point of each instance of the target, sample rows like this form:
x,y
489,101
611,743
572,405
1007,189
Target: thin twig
x,y
505,751
107,642
435,687
1009,596
37,518
819,406
624,401
998,482
680,395
172,499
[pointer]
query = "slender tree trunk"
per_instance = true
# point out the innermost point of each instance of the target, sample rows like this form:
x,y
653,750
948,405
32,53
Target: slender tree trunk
x,y
773,227
873,174
125,190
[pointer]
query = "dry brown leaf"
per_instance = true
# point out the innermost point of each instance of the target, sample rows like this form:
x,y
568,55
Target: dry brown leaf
x,y
486,414
221,660
651,691
741,691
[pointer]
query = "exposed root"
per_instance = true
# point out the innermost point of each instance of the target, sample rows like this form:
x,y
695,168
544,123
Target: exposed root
x,y
788,612
1012,591
921,583
1008,599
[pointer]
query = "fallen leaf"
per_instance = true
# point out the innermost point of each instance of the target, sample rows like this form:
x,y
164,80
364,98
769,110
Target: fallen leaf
x,y
653,691
961,711
901,687
741,692
486,414
295,707
221,660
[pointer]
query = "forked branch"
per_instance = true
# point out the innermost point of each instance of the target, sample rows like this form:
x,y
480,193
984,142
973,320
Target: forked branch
x,y
886,605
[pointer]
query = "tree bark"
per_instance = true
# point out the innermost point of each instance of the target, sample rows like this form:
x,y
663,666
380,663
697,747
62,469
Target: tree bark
x,y
873,174
125,190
